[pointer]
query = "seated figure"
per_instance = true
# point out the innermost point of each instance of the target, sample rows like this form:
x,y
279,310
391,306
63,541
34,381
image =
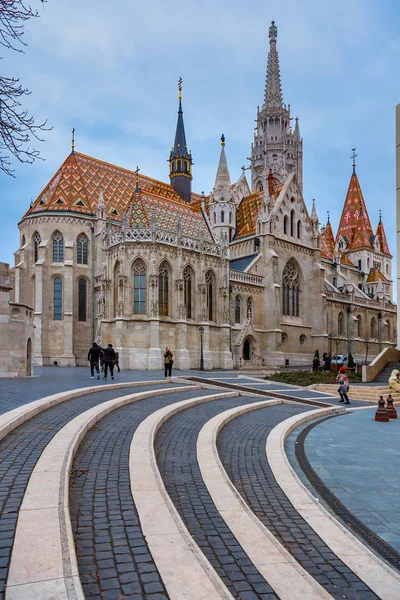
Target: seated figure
x,y
394,380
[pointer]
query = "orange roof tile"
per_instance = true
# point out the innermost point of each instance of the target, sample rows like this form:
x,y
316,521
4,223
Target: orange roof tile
x,y
344,259
327,242
375,275
247,213
354,222
381,235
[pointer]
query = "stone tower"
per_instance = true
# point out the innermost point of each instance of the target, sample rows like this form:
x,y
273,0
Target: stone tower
x,y
180,158
222,204
276,147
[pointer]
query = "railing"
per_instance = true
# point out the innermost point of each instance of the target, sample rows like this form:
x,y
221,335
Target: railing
x,y
349,298
246,277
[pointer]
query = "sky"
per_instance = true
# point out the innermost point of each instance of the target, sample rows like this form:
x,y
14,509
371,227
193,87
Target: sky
x,y
110,70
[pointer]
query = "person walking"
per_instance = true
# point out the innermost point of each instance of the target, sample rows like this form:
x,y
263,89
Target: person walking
x,y
94,355
109,360
328,363
343,381
168,362
116,362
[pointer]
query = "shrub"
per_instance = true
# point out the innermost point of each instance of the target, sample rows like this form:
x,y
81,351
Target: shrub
x,y
304,378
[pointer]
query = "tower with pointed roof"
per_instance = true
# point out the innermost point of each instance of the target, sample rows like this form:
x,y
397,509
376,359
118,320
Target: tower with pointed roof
x,y
222,203
180,158
276,147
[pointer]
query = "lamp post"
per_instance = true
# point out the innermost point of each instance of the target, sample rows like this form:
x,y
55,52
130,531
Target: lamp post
x,y
201,332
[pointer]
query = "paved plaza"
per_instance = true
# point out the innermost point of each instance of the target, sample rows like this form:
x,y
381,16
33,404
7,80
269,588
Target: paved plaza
x,y
207,485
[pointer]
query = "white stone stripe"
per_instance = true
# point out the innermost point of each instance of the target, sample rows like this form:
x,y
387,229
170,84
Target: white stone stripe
x,y
283,573
43,562
184,569
381,578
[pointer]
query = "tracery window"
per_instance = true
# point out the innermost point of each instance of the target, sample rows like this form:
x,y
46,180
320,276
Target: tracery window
x,y
188,287
238,309
82,299
58,247
373,328
139,287
57,299
290,290
36,242
163,291
82,250
249,308
340,324
210,283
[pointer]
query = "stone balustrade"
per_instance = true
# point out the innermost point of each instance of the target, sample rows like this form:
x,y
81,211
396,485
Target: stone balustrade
x,y
246,277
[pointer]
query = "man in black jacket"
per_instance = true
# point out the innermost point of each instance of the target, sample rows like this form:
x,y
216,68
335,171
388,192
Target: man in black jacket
x,y
109,360
94,356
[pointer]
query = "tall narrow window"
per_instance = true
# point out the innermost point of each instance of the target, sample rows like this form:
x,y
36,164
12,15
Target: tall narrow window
x,y
340,324
299,229
292,222
82,299
291,290
359,326
373,328
82,250
188,281
58,247
163,290
222,217
57,299
210,296
36,242
285,224
115,288
249,308
238,307
139,287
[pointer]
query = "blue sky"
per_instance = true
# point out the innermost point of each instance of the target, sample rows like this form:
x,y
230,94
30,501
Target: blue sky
x,y
110,70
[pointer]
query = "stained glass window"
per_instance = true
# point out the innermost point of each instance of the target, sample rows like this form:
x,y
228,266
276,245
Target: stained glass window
x,y
188,279
163,290
58,247
82,250
82,299
290,290
36,242
57,299
139,287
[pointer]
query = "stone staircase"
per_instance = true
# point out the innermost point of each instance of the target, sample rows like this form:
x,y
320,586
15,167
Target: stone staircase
x,y
384,375
367,393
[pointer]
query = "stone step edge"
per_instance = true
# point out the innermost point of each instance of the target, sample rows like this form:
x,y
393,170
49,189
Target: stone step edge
x,y
12,419
184,569
375,573
284,574
43,563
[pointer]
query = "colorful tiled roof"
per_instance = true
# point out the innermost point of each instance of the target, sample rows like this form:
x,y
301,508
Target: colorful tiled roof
x,y
354,222
381,235
247,213
327,242
375,275
344,259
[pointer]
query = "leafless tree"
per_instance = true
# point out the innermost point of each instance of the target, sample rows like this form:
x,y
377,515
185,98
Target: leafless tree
x,y
367,341
17,127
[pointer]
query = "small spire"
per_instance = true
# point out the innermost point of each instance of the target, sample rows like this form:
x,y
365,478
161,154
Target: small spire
x,y
137,188
273,32
73,141
273,87
270,180
222,140
314,216
297,129
354,156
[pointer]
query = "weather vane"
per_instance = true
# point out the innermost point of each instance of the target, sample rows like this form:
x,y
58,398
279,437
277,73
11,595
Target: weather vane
x,y
180,81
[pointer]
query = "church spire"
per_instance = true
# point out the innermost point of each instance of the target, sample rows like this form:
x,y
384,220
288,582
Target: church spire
x,y
273,87
180,158
222,179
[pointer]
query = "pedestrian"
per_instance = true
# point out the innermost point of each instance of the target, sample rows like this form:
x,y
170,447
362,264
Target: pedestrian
x,y
116,363
328,363
94,355
344,387
109,360
323,361
168,362
315,363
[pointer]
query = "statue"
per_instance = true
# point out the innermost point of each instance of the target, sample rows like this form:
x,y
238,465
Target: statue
x,y
394,380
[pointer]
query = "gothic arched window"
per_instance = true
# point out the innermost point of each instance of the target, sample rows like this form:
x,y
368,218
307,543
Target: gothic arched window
x,y
292,222
285,224
188,279
230,220
290,290
222,217
359,326
36,242
82,250
249,307
388,331
163,292
260,186
82,299
238,309
340,324
210,283
58,247
299,229
115,287
57,299
139,287
214,218
373,328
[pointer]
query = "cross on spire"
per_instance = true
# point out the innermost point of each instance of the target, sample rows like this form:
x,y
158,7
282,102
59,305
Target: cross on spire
x,y
243,169
180,81
354,156
137,179
73,141
327,212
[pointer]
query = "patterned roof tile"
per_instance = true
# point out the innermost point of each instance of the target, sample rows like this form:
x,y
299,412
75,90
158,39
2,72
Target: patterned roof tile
x,y
374,276
327,242
354,222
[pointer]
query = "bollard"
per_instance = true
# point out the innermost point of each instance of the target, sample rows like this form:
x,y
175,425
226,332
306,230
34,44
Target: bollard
x,y
390,409
381,414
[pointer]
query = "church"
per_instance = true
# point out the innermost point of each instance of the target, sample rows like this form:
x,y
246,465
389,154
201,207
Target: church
x,y
111,255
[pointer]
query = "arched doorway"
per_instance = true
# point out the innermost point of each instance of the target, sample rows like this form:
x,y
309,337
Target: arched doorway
x,y
246,349
29,357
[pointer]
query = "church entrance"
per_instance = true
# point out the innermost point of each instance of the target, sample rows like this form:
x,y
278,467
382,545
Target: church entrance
x,y
246,349
29,357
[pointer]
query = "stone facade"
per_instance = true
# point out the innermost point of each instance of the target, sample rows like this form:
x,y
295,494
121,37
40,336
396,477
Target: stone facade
x,y
16,330
114,256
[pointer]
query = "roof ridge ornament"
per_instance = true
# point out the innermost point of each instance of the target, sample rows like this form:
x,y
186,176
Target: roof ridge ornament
x,y
73,141
180,81
354,156
273,32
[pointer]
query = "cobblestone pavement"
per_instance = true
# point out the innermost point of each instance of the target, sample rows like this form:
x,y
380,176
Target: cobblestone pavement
x,y
343,452
113,557
176,456
241,445
20,451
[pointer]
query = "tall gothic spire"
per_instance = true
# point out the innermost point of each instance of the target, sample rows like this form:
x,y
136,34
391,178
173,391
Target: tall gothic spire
x,y
180,158
273,87
222,179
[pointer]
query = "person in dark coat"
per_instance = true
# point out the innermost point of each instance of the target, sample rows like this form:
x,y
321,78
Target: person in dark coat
x,y
109,360
168,362
94,355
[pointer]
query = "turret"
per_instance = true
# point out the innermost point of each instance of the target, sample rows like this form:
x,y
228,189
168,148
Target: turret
x,y
222,204
180,158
